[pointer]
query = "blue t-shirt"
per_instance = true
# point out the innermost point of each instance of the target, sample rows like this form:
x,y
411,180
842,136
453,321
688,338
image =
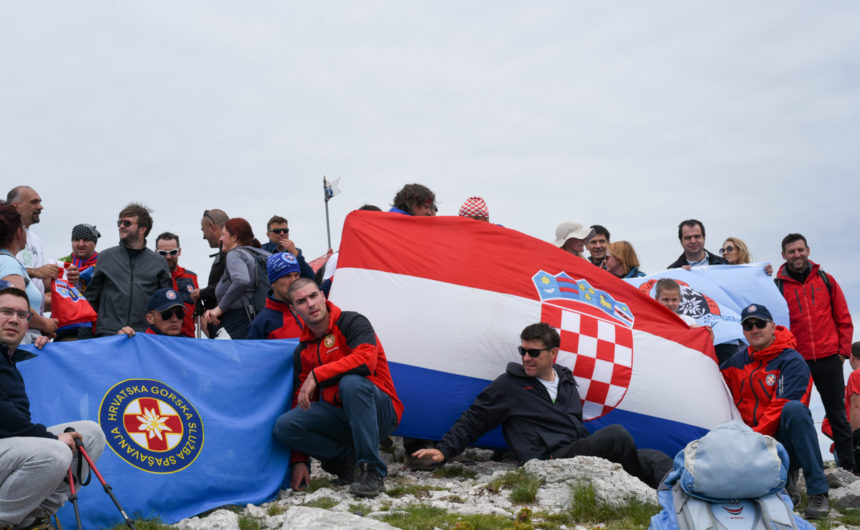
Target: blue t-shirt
x,y
11,266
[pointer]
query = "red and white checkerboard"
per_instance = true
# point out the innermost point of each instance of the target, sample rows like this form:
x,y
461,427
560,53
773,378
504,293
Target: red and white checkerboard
x,y
600,354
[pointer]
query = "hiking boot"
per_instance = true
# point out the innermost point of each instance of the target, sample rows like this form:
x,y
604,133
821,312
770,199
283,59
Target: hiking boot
x,y
369,482
818,507
791,487
344,468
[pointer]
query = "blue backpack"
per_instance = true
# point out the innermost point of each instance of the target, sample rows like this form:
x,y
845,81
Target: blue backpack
x,y
731,478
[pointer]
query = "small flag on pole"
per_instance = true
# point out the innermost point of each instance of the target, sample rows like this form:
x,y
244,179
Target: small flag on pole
x,y
331,188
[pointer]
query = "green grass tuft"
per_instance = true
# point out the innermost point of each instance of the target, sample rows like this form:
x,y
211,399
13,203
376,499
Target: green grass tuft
x,y
317,483
275,509
249,523
323,502
849,516
145,524
360,509
507,481
424,517
586,508
418,490
523,485
454,471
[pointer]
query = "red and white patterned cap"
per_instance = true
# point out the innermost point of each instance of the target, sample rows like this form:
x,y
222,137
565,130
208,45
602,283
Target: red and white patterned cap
x,y
475,207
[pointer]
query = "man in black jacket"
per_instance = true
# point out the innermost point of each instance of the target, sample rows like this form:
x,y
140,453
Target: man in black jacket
x,y
691,233
34,459
540,411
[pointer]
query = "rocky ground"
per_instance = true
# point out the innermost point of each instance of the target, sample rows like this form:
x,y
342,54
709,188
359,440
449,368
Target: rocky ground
x,y
473,484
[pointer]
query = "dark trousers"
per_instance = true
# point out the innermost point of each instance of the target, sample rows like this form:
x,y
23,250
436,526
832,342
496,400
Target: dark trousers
x,y
329,433
615,444
830,383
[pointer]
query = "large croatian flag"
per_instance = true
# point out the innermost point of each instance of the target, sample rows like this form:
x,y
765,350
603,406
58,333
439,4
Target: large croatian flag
x,y
449,296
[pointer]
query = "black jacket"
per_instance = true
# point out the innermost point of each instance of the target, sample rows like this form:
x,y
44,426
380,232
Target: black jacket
x,y
713,259
532,424
14,404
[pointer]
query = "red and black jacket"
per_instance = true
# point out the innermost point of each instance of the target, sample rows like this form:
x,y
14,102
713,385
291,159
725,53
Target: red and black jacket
x,y
762,382
275,321
348,347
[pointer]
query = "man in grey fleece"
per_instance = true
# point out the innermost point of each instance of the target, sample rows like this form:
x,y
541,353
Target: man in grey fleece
x,y
127,275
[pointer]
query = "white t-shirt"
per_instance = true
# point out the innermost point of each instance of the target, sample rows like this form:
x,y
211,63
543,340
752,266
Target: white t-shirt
x,y
32,257
551,386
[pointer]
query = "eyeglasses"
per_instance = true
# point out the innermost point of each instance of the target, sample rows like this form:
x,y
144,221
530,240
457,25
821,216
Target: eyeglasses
x,y
170,253
9,313
207,216
125,223
284,231
748,324
727,248
532,352
177,311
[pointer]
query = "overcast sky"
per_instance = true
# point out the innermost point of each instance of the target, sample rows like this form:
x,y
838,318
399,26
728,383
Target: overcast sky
x,y
631,115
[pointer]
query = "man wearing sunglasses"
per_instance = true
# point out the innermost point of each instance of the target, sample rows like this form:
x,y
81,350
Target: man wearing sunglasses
x,y
770,384
278,232
34,459
127,275
540,411
164,314
184,281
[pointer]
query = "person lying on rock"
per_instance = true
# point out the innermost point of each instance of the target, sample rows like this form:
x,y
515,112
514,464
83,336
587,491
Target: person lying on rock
x,y
540,411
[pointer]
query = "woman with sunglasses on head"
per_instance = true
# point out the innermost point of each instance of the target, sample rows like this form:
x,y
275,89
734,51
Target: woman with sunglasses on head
x,y
13,238
735,252
240,291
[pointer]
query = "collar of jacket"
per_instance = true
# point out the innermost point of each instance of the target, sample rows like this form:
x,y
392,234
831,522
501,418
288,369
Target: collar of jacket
x,y
783,339
333,316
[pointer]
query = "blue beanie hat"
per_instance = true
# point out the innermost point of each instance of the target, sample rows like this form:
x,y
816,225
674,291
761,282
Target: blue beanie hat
x,y
281,264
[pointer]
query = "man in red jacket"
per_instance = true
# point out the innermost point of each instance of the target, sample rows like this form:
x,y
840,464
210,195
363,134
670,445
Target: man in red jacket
x,y
184,281
770,385
344,392
822,324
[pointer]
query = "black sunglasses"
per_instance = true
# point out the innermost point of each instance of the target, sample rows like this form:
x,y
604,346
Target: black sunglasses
x,y
532,352
207,216
178,311
748,324
728,248
284,231
124,223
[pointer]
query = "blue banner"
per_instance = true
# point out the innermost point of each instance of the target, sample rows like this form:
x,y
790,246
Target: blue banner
x,y
188,422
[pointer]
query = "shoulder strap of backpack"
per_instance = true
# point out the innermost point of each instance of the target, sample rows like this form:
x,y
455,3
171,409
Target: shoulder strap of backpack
x,y
779,282
826,279
775,512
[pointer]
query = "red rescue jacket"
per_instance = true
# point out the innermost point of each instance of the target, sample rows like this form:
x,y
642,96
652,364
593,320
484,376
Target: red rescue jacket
x,y
762,382
349,346
821,322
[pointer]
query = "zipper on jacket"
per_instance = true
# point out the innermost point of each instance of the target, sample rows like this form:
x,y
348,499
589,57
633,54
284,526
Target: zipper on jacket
x,y
131,260
752,387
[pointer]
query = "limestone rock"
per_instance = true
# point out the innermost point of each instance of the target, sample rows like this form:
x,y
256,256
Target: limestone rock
x,y
846,496
317,518
217,520
838,477
611,483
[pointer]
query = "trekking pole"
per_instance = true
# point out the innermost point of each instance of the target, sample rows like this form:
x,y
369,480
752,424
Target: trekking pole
x,y
73,496
99,476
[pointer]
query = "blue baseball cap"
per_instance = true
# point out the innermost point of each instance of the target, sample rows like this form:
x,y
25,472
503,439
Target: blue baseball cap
x,y
756,311
163,299
281,264
6,284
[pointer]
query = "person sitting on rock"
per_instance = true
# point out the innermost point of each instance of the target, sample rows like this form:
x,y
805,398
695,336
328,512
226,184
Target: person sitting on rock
x,y
540,412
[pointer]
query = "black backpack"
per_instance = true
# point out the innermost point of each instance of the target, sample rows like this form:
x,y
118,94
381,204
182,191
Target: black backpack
x,y
824,277
260,279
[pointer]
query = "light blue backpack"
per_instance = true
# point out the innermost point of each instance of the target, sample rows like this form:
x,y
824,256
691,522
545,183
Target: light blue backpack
x,y
731,478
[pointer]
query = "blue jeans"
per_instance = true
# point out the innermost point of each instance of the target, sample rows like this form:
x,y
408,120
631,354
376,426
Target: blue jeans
x,y
797,434
327,432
